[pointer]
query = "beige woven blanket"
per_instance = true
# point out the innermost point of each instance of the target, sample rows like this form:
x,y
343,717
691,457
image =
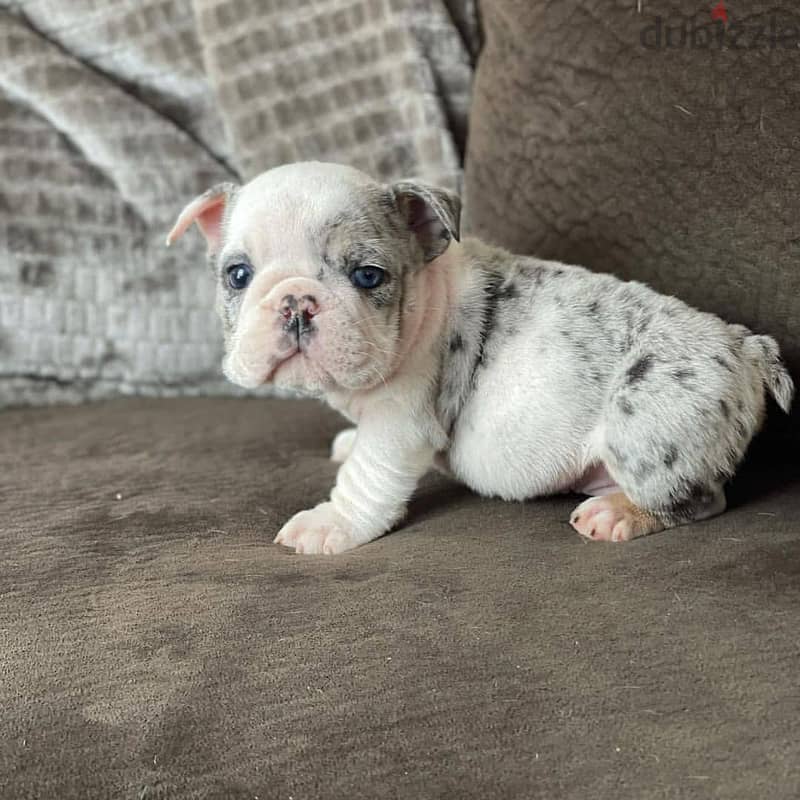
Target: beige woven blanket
x,y
113,113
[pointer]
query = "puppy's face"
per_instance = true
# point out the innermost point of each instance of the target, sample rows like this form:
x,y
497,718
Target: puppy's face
x,y
312,263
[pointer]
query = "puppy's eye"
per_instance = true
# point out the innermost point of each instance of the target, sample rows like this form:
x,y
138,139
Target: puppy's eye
x,y
239,276
367,277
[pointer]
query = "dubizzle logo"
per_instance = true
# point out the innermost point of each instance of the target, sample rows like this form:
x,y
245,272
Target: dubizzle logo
x,y
722,32
719,13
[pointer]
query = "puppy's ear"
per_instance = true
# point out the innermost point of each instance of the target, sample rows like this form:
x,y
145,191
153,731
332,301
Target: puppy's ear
x,y
207,211
432,214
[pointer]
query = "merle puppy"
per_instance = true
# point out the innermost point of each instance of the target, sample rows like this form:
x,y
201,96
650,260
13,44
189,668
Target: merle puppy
x,y
522,377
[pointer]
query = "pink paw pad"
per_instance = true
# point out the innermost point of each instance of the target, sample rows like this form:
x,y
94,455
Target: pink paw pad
x,y
612,518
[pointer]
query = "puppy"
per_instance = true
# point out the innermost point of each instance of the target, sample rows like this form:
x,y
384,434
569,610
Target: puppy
x,y
521,377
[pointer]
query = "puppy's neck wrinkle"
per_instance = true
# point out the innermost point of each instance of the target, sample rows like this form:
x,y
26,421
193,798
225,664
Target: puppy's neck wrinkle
x,y
429,298
483,270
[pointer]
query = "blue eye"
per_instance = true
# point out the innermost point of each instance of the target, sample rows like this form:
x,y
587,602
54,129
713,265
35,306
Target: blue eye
x,y
367,277
239,276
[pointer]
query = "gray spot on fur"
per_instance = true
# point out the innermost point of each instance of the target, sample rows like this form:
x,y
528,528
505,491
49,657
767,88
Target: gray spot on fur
x,y
688,503
491,291
625,406
638,371
723,363
509,291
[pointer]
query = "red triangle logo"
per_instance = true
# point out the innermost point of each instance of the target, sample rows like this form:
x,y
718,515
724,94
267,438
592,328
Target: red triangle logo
x,y
719,12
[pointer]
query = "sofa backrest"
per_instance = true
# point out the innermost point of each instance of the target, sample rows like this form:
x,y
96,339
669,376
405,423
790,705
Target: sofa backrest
x,y
660,146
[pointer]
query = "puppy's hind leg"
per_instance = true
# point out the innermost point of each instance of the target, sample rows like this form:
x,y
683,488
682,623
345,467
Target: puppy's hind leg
x,y
670,441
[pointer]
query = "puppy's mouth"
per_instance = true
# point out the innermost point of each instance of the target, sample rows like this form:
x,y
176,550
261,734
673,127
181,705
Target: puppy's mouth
x,y
297,330
281,360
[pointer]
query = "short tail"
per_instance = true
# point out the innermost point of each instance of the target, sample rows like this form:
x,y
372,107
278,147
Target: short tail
x,y
764,352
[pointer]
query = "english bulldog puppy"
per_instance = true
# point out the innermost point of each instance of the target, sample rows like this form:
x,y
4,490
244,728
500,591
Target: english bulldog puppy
x,y
521,377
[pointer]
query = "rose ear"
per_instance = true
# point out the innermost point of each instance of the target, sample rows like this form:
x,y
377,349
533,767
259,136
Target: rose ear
x,y
432,214
207,211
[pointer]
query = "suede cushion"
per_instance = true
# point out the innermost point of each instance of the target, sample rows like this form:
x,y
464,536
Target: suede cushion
x,y
676,166
154,644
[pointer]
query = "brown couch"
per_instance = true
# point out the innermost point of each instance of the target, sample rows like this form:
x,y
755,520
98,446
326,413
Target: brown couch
x,y
153,644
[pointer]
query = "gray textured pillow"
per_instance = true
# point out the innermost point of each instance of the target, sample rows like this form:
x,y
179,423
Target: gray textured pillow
x,y
677,166
112,116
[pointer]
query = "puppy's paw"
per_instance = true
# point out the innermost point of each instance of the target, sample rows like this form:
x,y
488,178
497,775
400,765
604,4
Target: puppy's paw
x,y
343,444
320,530
613,518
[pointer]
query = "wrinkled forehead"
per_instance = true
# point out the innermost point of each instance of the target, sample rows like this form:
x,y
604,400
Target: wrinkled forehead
x,y
289,211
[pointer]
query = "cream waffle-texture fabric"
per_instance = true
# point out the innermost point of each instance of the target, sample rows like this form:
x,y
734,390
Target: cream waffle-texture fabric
x,y
114,112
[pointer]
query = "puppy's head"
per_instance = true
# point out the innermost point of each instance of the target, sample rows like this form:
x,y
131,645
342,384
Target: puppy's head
x,y
312,263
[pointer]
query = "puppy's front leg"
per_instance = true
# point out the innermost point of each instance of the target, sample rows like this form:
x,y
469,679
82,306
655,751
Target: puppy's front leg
x,y
373,486
343,445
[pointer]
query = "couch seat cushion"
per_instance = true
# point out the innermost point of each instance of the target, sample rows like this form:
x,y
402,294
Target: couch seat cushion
x,y
154,644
